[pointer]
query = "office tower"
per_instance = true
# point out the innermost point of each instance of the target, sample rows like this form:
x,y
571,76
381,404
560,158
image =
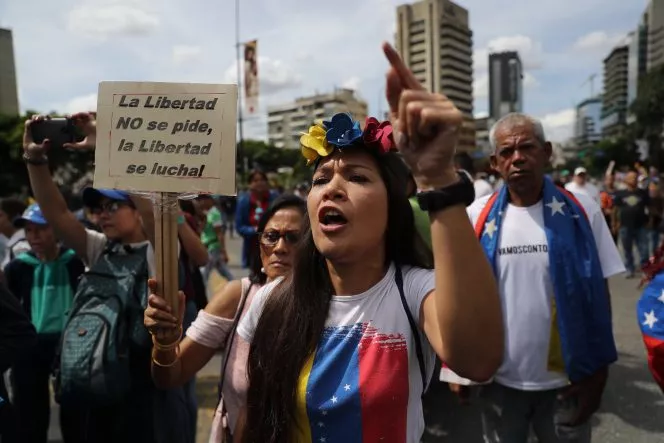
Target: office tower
x,y
8,89
505,84
436,43
614,99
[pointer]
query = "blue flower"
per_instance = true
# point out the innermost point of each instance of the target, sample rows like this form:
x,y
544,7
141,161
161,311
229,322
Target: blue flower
x,y
342,130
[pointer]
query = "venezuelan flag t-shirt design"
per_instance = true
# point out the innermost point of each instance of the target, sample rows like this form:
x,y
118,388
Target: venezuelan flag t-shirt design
x,y
362,383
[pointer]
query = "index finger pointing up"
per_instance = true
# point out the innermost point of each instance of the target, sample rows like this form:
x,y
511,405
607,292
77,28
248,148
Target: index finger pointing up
x,y
408,80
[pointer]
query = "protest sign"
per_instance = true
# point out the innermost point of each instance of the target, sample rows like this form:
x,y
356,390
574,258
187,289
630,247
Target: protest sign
x,y
166,137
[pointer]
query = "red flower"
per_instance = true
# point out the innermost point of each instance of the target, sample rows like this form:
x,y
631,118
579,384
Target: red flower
x,y
378,135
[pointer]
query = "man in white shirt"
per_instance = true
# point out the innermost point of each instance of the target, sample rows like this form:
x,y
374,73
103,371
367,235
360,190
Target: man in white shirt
x,y
13,238
532,389
464,162
581,185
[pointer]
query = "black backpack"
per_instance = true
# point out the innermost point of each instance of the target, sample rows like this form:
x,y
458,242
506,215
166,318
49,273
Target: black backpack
x,y
104,324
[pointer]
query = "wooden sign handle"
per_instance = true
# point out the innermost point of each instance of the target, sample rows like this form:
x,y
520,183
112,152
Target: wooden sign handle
x,y
166,210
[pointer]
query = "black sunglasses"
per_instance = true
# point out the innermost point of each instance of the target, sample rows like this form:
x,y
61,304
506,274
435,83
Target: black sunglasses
x,y
271,238
111,207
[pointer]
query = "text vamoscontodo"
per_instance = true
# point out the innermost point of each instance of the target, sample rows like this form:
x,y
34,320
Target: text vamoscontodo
x,y
158,147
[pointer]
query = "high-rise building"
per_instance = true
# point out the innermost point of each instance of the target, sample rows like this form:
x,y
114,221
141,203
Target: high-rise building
x,y
482,128
505,84
653,24
614,99
8,89
436,43
288,121
588,124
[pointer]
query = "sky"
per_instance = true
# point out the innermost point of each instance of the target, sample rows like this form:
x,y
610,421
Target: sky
x,y
64,49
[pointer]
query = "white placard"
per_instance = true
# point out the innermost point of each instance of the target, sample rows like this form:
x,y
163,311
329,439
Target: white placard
x,y
166,137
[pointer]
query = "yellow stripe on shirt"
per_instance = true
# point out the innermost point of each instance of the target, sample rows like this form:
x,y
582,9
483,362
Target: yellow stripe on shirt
x,y
302,430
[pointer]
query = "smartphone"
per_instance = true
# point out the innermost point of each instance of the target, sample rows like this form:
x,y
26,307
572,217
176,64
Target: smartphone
x,y
57,130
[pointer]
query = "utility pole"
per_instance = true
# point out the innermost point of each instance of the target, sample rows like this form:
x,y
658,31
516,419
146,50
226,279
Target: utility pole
x,y
238,47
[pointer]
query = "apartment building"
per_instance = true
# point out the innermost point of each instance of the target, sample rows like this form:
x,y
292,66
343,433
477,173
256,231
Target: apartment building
x,y
288,121
8,88
505,84
614,99
436,43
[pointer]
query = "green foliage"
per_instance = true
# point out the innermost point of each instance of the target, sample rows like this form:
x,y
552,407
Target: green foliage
x,y
67,165
648,108
270,159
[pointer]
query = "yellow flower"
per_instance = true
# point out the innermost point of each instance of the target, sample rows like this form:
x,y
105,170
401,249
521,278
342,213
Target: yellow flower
x,y
314,144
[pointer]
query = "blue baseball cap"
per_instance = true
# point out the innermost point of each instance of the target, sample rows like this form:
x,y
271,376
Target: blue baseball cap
x,y
32,214
92,196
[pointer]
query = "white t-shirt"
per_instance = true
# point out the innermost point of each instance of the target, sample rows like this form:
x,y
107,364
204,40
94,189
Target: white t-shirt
x,y
588,189
482,188
526,290
96,243
14,246
364,381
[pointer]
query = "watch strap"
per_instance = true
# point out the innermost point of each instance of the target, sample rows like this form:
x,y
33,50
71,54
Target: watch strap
x,y
461,192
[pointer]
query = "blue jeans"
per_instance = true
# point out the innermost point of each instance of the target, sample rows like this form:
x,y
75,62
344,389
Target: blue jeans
x,y
654,237
509,414
631,237
215,262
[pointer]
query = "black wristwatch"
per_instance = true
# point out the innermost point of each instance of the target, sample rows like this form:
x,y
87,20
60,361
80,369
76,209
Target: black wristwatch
x,y
460,192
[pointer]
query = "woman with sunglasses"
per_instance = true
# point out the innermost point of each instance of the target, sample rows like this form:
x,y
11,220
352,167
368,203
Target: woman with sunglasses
x,y
278,231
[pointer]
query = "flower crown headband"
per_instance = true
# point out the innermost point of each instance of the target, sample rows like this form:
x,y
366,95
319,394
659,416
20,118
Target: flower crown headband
x,y
342,131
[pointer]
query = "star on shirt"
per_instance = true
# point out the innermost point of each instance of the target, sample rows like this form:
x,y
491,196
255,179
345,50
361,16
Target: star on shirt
x,y
661,297
334,399
490,228
321,424
556,206
323,440
650,319
324,412
347,387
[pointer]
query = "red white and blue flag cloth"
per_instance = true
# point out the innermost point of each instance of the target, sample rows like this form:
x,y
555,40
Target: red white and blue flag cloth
x,y
650,313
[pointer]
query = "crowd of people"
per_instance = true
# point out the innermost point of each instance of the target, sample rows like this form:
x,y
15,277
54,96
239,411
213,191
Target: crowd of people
x,y
398,255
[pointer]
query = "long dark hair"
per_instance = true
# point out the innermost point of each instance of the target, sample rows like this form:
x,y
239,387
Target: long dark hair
x,y
284,201
295,312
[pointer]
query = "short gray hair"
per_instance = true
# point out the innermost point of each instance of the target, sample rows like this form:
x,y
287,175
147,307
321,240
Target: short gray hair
x,y
517,119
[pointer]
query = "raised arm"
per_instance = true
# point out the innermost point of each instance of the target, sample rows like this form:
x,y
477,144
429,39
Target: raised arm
x,y
52,203
462,317
173,367
191,242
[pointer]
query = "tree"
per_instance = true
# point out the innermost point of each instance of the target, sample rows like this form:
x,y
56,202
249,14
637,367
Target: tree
x,y
269,159
621,150
68,167
648,108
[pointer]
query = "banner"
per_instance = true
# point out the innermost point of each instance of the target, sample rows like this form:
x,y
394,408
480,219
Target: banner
x,y
251,85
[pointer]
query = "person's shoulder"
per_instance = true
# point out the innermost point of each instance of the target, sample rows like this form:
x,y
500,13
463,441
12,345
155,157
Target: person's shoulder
x,y
477,206
588,204
415,272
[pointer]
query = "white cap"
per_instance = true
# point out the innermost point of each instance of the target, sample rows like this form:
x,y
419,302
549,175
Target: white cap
x,y
580,170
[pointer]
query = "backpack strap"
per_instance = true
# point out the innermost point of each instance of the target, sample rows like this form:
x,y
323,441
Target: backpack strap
x,y
398,277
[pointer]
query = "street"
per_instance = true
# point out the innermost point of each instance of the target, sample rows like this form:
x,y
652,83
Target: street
x,y
632,410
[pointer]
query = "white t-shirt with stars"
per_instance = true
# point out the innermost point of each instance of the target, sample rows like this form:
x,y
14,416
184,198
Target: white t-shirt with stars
x,y
363,381
526,289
